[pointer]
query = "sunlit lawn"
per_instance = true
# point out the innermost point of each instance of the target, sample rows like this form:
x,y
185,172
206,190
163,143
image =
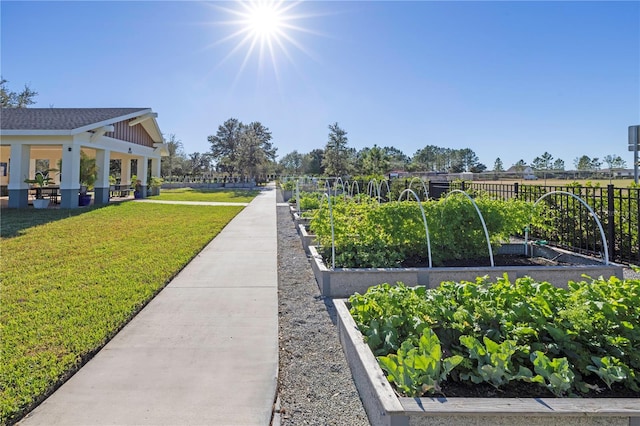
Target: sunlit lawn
x,y
196,194
72,279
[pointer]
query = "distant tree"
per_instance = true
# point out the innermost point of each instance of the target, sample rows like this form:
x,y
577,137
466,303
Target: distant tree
x,y
374,161
255,150
292,163
614,162
11,99
498,166
174,161
337,154
543,162
431,158
558,164
224,145
437,159
582,163
469,160
520,166
240,148
198,164
397,159
312,162
585,163
478,168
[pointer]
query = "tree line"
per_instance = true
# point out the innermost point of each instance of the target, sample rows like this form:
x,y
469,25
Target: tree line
x,y
246,151
337,159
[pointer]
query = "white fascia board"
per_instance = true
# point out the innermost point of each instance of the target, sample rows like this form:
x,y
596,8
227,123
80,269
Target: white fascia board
x,y
143,118
151,126
162,149
99,124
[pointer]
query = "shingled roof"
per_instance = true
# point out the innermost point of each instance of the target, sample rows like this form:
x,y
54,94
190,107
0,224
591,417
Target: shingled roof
x,y
62,118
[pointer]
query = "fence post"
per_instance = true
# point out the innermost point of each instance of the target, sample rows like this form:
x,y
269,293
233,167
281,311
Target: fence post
x,y
611,228
515,189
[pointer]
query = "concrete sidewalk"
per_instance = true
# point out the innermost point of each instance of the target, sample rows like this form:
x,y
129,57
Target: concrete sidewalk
x,y
203,352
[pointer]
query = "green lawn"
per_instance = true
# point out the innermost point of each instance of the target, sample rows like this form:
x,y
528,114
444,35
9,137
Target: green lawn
x,y
196,194
72,278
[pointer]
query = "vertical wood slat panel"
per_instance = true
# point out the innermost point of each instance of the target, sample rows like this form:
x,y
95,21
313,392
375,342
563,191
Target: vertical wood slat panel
x,y
135,134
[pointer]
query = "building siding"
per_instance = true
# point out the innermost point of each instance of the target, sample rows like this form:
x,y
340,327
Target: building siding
x,y
134,134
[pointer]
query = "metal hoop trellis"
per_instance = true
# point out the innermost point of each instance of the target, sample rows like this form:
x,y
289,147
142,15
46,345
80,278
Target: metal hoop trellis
x,y
484,225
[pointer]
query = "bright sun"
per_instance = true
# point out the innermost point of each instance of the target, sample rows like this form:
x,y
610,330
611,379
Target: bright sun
x,y
264,27
264,21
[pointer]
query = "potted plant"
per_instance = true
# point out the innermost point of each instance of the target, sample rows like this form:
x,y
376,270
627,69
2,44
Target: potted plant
x,y
154,184
40,180
88,176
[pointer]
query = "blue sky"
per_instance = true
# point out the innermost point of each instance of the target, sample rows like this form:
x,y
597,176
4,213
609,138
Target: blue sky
x,y
507,79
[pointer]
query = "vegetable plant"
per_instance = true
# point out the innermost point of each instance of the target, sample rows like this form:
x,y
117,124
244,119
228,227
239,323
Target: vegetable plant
x,y
568,341
369,234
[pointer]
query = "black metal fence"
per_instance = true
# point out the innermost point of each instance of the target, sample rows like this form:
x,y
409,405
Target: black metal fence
x,y
569,223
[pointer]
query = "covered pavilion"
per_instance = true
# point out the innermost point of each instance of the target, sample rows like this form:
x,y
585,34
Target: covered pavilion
x,y
59,135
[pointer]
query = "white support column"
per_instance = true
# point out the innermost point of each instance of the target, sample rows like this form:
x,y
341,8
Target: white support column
x,y
155,167
143,170
101,187
18,172
125,171
70,182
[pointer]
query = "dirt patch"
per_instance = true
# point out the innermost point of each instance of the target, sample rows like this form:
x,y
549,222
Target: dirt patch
x,y
518,389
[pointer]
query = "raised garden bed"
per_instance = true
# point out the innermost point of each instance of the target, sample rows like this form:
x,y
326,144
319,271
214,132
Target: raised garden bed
x,y
343,282
306,238
384,407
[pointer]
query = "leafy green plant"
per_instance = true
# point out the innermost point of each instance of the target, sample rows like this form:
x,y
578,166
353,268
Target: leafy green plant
x,y
392,234
88,170
310,200
288,185
494,363
40,180
609,369
155,182
556,372
417,370
567,340
388,315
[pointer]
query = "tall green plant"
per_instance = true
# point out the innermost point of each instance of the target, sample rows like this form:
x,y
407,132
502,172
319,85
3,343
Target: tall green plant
x,y
88,170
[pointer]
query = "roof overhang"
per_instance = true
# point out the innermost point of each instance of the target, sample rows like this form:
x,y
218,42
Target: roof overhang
x,y
145,117
162,149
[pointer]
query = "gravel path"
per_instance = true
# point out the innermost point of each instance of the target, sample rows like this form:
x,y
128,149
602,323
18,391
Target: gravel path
x,y
315,386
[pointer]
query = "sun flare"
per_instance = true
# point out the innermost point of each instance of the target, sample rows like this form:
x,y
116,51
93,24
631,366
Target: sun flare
x,y
265,30
264,21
